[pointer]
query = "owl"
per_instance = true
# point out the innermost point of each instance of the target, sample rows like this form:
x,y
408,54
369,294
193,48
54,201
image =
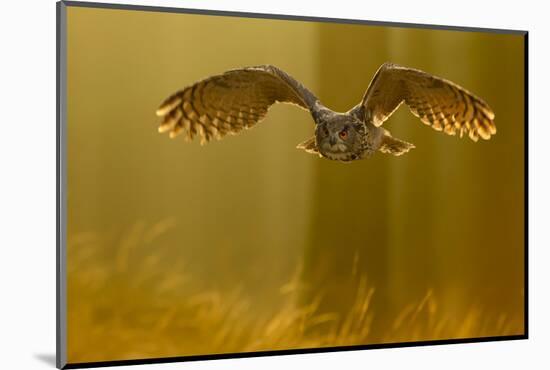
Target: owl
x,y
239,99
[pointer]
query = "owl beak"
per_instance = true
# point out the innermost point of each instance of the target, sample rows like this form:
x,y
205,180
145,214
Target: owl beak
x,y
332,140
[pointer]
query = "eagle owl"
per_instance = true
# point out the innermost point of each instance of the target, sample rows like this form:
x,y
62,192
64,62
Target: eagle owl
x,y
239,99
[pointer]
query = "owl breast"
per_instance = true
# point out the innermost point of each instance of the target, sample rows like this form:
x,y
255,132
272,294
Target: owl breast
x,y
342,157
340,152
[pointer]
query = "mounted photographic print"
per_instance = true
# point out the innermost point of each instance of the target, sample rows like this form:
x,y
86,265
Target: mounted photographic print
x,y
234,184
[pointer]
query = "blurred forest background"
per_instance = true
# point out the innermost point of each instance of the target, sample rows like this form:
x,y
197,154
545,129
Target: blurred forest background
x,y
250,244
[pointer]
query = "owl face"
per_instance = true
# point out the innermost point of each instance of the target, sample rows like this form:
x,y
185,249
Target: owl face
x,y
339,139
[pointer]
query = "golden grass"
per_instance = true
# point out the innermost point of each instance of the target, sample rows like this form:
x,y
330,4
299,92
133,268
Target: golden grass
x,y
129,303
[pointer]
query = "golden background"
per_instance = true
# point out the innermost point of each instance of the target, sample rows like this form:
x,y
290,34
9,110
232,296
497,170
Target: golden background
x,y
249,244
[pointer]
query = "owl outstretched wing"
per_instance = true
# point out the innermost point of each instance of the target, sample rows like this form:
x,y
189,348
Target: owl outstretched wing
x,y
229,102
438,103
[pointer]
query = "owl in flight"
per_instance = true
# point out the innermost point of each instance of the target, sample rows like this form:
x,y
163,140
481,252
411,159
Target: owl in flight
x,y
239,99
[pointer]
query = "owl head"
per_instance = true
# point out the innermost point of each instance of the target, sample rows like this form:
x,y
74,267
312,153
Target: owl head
x,y
339,138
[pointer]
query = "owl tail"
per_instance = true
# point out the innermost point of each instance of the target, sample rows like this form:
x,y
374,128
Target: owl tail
x,y
392,145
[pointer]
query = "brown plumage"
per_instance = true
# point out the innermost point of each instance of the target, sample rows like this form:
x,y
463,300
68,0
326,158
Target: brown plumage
x,y
439,103
238,99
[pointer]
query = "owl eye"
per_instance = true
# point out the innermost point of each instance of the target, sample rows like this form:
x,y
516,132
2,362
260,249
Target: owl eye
x,y
343,134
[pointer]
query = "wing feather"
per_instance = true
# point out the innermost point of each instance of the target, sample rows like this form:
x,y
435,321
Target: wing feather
x,y
438,103
230,102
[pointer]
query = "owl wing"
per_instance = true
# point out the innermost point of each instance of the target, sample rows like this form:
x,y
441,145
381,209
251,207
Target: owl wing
x,y
227,103
439,103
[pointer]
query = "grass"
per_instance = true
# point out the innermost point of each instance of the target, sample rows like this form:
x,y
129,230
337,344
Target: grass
x,y
129,303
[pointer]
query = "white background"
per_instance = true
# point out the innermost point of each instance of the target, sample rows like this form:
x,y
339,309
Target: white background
x,y
27,183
